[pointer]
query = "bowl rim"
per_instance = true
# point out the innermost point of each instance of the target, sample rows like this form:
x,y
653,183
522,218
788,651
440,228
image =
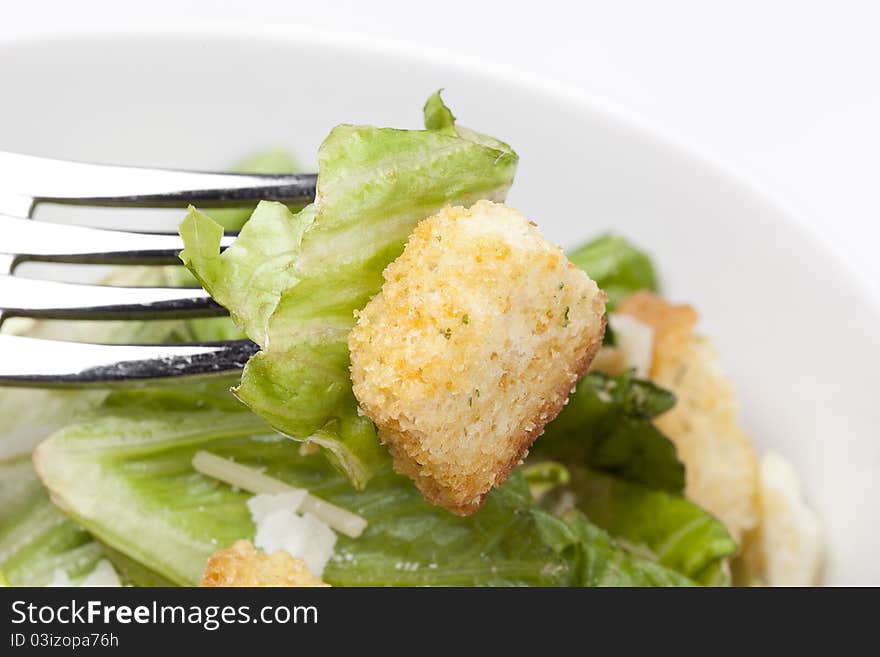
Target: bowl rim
x,y
604,108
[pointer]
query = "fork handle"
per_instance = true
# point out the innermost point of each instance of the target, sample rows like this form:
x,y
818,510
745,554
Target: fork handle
x,y
79,183
34,362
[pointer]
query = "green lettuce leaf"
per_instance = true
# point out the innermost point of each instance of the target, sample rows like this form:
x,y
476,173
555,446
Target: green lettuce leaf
x,y
599,561
437,115
545,476
668,528
131,572
36,539
617,266
607,426
125,474
292,282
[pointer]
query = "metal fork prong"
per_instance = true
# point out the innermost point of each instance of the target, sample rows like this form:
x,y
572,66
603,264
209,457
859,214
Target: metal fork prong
x,y
28,240
62,181
25,297
33,362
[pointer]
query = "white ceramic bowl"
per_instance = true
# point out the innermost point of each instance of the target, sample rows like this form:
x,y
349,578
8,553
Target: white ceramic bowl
x,y
797,331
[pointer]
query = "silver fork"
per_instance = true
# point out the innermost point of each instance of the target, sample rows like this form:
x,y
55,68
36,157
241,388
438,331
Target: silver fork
x,y
26,181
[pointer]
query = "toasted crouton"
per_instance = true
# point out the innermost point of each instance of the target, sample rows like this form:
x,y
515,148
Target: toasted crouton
x,y
473,345
242,565
721,467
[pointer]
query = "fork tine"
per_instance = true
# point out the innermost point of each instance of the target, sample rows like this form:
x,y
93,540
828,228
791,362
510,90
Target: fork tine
x,y
26,239
37,362
24,297
33,362
60,181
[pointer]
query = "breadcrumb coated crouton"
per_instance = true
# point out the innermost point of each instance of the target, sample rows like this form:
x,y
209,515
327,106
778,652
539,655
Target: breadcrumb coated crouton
x,y
242,565
473,345
721,466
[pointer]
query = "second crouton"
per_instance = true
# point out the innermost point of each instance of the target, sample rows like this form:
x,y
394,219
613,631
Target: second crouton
x,y
722,469
240,565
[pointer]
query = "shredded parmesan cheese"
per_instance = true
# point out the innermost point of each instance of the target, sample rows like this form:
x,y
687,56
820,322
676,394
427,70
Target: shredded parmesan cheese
x,y
279,527
254,481
636,340
633,348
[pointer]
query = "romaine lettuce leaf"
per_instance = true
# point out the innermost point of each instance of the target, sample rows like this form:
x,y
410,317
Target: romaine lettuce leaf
x,y
437,115
36,538
292,282
125,474
596,558
671,530
543,477
132,573
617,266
607,426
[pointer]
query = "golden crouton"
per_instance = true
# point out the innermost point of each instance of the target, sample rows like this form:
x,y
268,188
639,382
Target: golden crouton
x,y
473,345
242,565
721,467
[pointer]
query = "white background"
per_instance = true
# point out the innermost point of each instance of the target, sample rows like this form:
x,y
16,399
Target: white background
x,y
785,93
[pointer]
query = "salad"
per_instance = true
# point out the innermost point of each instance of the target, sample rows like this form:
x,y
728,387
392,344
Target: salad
x,y
441,397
